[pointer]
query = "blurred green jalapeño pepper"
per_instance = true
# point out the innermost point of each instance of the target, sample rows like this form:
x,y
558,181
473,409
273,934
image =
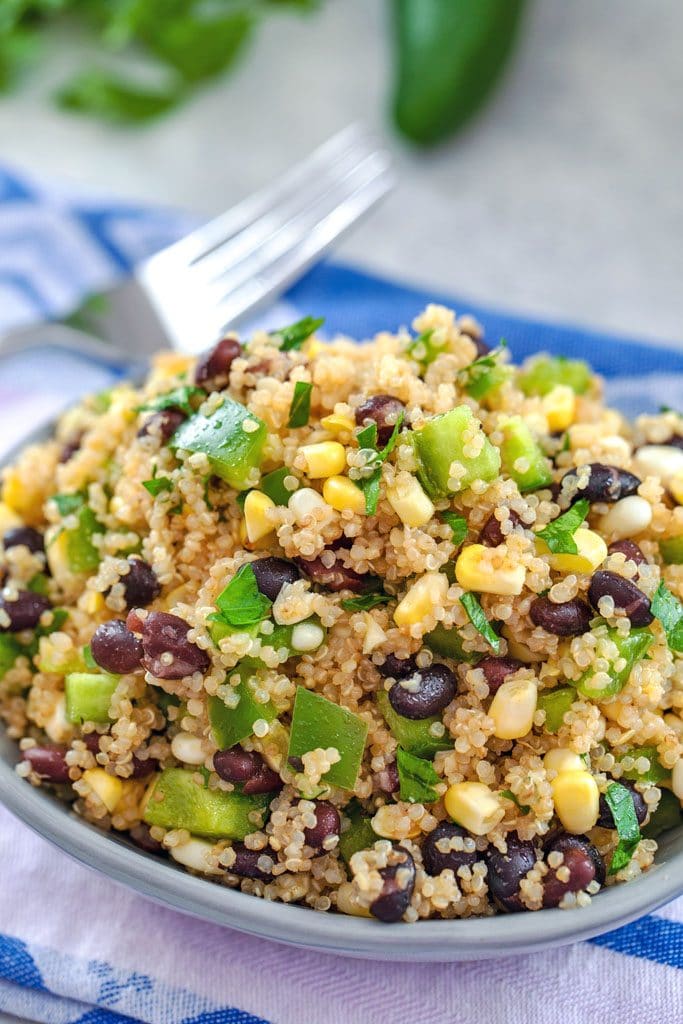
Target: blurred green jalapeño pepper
x,y
449,56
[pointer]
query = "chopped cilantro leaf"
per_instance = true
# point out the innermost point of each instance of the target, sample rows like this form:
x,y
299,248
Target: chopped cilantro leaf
x,y
370,484
559,535
366,601
68,503
178,398
296,334
300,409
669,611
509,795
417,778
367,437
620,803
88,658
273,484
458,525
476,615
485,374
157,485
241,603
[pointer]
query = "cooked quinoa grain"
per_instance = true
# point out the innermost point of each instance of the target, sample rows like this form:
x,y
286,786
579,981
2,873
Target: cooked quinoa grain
x,y
390,630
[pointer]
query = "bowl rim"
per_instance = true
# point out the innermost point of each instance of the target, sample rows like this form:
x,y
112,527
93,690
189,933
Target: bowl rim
x,y
435,940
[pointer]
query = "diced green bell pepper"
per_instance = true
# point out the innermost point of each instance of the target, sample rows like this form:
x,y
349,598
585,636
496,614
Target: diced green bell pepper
x,y
424,349
487,379
360,834
282,636
544,373
210,813
440,442
520,443
655,773
667,816
631,648
230,726
10,649
556,704
318,722
38,584
412,734
448,644
88,696
233,452
81,554
671,550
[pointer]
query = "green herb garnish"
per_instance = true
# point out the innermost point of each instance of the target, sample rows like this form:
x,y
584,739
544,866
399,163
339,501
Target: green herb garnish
x,y
369,485
273,484
365,602
157,485
416,777
68,503
620,803
477,617
485,374
178,398
458,525
300,409
509,795
88,658
241,603
296,334
559,535
669,611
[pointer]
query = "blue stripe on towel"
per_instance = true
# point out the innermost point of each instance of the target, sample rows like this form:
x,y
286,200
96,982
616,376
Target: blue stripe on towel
x,y
650,938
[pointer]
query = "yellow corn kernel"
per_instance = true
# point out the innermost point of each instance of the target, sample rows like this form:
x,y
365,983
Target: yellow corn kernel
x,y
336,423
424,596
343,495
256,508
559,406
474,806
107,787
475,570
519,650
348,901
677,779
676,487
562,759
512,708
409,501
374,634
194,854
92,602
170,364
391,822
8,518
22,497
577,799
326,458
591,552
313,348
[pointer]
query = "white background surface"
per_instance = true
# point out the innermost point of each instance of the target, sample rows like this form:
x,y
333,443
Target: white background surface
x,y
564,200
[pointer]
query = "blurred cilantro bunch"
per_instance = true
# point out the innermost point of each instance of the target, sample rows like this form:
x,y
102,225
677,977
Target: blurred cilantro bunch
x,y
181,42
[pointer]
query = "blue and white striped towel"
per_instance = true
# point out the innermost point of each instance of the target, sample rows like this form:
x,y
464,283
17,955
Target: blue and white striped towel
x,y
77,948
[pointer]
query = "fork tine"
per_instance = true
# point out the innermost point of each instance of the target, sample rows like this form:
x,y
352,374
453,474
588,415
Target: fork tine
x,y
202,241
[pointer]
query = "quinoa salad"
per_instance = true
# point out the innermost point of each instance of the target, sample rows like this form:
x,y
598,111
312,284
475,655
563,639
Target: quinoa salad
x,y
393,630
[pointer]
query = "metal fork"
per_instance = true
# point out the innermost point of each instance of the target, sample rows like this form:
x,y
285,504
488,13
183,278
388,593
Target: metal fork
x,y
188,294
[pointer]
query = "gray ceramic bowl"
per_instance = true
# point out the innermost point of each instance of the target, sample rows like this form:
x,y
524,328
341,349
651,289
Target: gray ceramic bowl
x,y
473,939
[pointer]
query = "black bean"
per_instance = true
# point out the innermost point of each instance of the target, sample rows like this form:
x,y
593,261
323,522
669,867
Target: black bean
x,y
384,410
24,536
140,585
435,690
387,780
69,449
606,819
335,578
630,549
397,668
164,634
213,368
246,863
571,618
141,836
162,425
399,882
115,648
506,871
142,767
627,597
675,441
273,573
471,332
491,534
435,861
605,483
247,767
265,780
496,670
48,762
585,866
25,612
92,742
328,823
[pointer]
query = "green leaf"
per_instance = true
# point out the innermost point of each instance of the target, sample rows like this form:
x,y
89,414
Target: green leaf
x,y
157,485
458,525
509,795
88,658
68,503
111,98
423,350
416,777
273,484
669,611
178,398
559,535
476,615
241,603
300,409
370,484
199,47
485,374
366,601
296,334
367,437
620,803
